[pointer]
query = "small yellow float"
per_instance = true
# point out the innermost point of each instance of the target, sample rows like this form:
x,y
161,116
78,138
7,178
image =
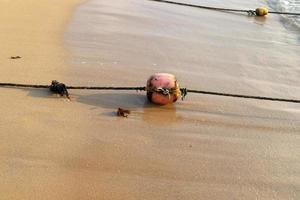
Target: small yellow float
x,y
261,11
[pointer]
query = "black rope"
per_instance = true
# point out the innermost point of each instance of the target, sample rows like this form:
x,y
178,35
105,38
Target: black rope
x,y
17,85
283,13
183,91
251,12
244,96
106,88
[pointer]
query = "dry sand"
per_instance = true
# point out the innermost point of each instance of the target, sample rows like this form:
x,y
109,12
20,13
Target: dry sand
x,y
32,29
202,148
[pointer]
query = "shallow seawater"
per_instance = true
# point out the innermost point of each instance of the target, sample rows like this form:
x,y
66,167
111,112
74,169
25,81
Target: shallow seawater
x,y
292,6
205,147
125,41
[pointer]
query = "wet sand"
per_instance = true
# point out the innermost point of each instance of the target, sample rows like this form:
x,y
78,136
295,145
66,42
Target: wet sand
x,y
202,148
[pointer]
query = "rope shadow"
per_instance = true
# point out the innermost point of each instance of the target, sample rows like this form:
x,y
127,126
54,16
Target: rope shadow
x,y
38,93
115,100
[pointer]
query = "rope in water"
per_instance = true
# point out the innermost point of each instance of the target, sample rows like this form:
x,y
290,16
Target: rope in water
x,y
184,91
250,12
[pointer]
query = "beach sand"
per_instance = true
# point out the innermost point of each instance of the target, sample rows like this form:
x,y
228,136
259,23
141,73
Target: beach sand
x,y
205,147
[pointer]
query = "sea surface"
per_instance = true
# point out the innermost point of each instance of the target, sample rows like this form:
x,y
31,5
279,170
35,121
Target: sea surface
x,y
292,6
124,41
204,147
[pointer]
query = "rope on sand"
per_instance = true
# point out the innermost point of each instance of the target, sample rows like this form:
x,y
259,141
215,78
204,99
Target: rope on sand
x,y
60,88
249,12
17,85
244,96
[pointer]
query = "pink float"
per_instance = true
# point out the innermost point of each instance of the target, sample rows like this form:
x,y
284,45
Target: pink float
x,y
162,88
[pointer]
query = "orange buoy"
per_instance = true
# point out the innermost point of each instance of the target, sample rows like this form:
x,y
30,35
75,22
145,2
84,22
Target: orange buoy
x,y
163,88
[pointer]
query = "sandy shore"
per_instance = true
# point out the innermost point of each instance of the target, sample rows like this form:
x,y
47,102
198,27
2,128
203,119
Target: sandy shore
x,y
33,30
202,148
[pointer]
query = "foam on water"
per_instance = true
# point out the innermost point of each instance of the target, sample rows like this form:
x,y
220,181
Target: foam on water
x,y
287,6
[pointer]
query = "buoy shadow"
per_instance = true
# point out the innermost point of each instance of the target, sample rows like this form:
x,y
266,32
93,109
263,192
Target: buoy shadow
x,y
136,102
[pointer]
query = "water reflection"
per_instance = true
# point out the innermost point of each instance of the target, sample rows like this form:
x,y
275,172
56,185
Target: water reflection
x,y
160,115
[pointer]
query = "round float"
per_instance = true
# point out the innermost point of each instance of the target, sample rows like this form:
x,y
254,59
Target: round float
x,y
162,88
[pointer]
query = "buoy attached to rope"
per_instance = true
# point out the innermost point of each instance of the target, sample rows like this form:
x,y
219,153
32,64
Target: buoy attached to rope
x,y
173,93
261,11
162,88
